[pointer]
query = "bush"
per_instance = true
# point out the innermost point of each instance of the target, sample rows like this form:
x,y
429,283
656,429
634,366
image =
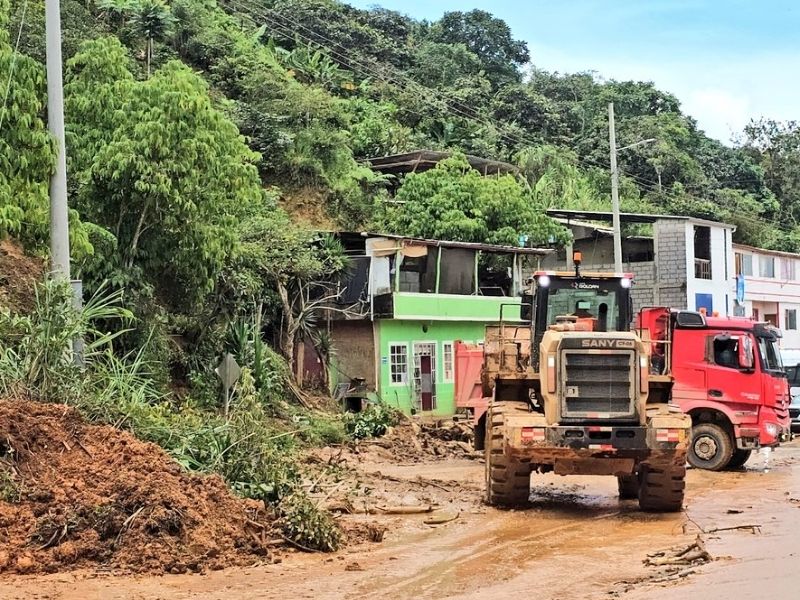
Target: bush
x,y
373,421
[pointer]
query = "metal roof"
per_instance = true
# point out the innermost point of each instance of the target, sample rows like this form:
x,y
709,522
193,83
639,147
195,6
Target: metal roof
x,y
608,217
765,251
450,244
422,160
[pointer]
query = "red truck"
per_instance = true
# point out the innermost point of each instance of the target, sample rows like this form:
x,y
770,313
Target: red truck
x,y
727,375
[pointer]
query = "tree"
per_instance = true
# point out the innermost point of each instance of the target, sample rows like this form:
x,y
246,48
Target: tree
x,y
152,20
487,37
162,169
454,202
26,149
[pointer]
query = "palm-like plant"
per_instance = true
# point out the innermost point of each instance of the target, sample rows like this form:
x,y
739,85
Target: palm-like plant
x,y
153,20
116,11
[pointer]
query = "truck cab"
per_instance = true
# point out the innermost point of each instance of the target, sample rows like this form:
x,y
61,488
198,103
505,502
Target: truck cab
x,y
728,377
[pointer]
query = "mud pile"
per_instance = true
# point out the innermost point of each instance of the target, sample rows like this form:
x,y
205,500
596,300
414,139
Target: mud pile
x,y
18,276
420,441
76,495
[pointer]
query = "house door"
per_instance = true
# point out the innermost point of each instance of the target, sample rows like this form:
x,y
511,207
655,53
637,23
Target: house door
x,y
425,375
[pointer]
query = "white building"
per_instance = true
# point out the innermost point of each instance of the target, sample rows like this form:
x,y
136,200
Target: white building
x,y
684,263
772,292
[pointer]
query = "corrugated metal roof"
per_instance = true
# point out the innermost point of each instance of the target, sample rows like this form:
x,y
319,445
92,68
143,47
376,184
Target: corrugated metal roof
x,y
608,217
451,244
422,160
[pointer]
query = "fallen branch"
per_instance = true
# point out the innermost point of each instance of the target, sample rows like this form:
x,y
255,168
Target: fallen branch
x,y
753,528
127,524
441,518
694,552
401,510
298,545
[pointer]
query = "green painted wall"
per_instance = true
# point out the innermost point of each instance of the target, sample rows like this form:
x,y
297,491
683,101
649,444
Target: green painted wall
x,y
446,307
399,331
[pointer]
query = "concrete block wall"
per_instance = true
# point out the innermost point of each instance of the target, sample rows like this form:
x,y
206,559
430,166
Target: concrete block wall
x,y
672,269
644,281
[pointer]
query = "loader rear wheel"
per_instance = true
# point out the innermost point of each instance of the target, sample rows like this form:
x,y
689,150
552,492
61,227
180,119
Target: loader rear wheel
x,y
628,486
508,481
661,489
738,459
711,447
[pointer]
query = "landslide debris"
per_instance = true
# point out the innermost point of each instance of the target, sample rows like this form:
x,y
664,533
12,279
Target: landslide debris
x,y
412,441
18,276
78,495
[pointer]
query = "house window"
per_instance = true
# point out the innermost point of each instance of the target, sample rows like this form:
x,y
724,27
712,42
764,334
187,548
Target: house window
x,y
756,314
766,267
790,322
398,363
744,264
702,253
448,362
787,268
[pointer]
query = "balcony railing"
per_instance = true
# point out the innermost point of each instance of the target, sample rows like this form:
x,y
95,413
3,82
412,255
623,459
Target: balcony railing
x,y
702,268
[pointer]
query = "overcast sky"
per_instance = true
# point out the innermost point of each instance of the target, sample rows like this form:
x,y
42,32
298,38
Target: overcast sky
x,y
727,61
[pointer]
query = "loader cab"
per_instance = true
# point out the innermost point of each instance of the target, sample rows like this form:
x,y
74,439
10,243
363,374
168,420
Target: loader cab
x,y
593,301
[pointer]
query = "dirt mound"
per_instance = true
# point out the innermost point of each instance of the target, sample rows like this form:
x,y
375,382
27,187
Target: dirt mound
x,y
412,441
18,276
77,495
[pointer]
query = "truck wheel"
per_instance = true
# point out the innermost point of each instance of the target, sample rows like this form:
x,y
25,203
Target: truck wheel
x,y
661,490
628,486
508,481
738,459
711,447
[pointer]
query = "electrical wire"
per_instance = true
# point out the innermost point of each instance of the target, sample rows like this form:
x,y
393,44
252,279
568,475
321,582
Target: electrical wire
x,y
289,27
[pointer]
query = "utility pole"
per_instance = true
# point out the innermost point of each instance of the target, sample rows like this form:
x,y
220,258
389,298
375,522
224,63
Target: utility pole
x,y
612,140
59,217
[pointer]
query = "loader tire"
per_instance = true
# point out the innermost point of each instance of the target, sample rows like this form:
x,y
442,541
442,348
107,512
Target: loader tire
x,y
738,459
508,481
661,489
711,447
628,486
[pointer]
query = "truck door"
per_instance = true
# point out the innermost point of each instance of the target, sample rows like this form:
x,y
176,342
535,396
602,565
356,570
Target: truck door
x,y
730,377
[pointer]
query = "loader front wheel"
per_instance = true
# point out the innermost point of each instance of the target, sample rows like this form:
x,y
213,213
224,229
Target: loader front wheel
x,y
661,489
508,481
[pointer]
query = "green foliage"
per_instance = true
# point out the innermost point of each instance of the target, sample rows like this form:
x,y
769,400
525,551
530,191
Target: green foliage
x,y
36,350
454,202
373,421
26,150
308,526
163,170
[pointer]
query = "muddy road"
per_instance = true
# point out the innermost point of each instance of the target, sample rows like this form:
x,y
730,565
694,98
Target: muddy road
x,y
578,540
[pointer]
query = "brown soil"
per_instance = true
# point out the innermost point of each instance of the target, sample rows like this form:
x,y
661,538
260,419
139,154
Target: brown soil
x,y
18,276
413,441
306,205
76,495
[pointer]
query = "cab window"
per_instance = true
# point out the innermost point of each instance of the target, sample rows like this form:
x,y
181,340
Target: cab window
x,y
726,352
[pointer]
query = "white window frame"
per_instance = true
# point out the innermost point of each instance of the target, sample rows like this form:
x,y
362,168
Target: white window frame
x,y
452,363
405,375
762,271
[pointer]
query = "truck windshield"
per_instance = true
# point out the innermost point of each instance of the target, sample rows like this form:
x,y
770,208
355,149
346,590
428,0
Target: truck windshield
x,y
592,302
770,356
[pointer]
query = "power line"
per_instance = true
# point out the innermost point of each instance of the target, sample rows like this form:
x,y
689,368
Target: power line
x,y
366,68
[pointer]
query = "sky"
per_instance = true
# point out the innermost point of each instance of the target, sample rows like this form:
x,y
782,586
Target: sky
x,y
726,61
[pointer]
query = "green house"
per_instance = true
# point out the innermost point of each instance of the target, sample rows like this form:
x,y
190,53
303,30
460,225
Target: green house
x,y
407,301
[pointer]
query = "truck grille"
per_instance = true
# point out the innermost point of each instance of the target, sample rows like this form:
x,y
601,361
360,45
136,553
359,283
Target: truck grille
x,y
598,385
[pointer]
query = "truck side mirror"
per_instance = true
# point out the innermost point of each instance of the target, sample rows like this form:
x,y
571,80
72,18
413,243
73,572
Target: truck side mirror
x,y
746,358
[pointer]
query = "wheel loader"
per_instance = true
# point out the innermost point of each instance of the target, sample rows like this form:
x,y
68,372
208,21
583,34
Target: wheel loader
x,y
572,393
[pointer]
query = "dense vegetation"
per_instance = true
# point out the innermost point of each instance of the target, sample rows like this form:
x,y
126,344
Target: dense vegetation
x,y
201,134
